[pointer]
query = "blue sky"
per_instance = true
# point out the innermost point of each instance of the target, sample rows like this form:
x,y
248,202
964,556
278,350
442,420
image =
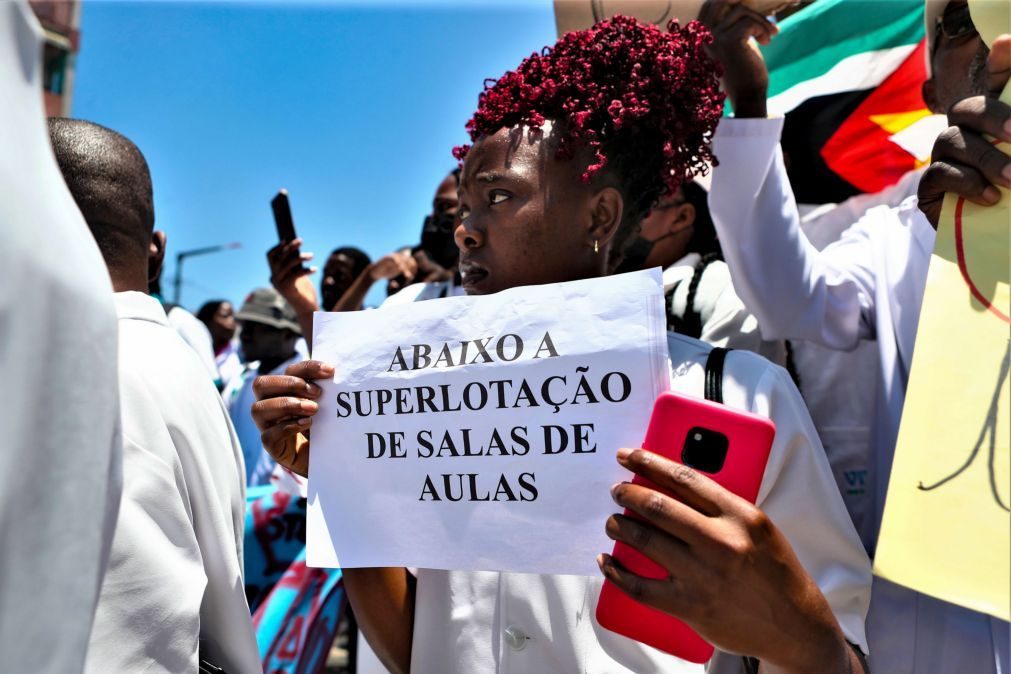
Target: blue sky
x,y
352,107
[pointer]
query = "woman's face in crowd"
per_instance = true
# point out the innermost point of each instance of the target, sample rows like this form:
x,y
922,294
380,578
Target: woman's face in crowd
x,y
223,324
524,215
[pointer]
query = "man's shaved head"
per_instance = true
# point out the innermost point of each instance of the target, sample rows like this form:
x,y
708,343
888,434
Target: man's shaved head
x,y
110,181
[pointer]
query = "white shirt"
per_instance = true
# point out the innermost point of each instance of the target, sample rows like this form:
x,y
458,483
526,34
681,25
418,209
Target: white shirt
x,y
229,363
506,622
725,320
839,386
419,292
197,336
60,472
175,573
867,285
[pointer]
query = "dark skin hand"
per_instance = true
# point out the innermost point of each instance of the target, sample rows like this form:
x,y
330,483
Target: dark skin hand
x,y
964,162
722,551
745,77
290,277
511,186
383,597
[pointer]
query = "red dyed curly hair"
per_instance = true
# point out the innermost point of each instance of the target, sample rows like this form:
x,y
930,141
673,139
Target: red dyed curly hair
x,y
644,103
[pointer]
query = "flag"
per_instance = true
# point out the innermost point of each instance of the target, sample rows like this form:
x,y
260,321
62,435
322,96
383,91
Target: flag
x,y
847,75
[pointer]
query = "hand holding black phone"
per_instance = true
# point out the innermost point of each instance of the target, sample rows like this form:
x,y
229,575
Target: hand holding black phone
x,y
282,217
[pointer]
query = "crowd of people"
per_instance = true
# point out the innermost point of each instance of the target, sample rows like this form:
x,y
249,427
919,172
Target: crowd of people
x,y
606,153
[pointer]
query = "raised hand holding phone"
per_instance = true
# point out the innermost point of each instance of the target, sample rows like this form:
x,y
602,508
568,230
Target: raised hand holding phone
x,y
289,273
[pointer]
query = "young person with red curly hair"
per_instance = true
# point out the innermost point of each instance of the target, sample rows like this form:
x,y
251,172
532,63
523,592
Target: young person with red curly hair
x,y
570,152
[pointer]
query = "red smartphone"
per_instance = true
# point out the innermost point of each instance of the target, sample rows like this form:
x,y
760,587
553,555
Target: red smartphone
x,y
282,217
729,446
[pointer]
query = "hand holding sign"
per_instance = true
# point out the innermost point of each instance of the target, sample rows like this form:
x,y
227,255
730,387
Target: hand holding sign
x,y
733,576
284,409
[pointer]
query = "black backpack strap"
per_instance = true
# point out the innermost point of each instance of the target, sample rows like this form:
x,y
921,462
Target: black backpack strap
x,y
674,322
714,374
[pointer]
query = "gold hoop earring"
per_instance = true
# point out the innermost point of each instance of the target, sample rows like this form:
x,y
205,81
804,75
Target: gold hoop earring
x,y
596,249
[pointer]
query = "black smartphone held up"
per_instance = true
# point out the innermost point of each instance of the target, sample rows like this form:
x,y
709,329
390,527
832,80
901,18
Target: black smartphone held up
x,y
282,217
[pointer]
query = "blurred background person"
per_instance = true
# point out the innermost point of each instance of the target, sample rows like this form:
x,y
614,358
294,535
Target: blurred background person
x,y
60,468
437,256
219,318
699,298
340,271
268,335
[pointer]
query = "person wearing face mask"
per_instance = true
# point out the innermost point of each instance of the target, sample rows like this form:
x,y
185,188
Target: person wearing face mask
x,y
868,285
699,299
437,257
555,182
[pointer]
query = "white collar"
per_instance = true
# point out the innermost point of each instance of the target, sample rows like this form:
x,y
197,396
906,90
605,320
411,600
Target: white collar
x,y
131,304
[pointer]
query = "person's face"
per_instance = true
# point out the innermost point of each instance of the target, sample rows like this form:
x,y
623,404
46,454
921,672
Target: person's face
x,y
526,218
223,324
669,228
446,200
338,275
437,230
264,342
958,62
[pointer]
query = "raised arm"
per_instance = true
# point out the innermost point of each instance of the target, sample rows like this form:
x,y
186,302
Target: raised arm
x,y
794,290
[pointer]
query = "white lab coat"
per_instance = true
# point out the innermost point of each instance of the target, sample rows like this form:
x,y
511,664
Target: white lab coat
x,y
725,320
475,622
839,386
868,285
174,588
197,336
419,292
60,473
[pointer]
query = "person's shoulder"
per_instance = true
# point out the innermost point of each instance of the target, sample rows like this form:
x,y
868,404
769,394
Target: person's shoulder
x,y
750,372
188,324
156,351
418,292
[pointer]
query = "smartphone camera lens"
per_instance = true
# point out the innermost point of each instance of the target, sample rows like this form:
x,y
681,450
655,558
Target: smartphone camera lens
x,y
705,450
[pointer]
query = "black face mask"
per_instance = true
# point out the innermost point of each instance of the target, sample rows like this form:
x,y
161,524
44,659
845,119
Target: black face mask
x,y
438,241
636,254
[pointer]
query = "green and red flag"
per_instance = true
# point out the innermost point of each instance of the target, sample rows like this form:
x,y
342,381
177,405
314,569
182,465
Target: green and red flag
x,y
847,75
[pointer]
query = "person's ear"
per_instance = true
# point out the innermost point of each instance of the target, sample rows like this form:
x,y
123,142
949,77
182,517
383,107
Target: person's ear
x,y
155,255
606,211
684,218
929,92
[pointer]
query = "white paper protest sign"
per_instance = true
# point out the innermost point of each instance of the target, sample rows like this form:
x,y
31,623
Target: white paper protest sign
x,y
479,433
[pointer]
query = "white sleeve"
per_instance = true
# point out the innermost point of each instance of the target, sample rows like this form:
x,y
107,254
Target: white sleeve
x,y
197,336
800,495
794,290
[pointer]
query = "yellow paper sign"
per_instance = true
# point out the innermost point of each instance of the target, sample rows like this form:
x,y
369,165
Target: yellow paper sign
x,y
946,530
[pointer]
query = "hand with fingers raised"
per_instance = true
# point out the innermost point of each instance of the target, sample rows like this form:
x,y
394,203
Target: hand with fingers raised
x,y
964,161
283,411
732,575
